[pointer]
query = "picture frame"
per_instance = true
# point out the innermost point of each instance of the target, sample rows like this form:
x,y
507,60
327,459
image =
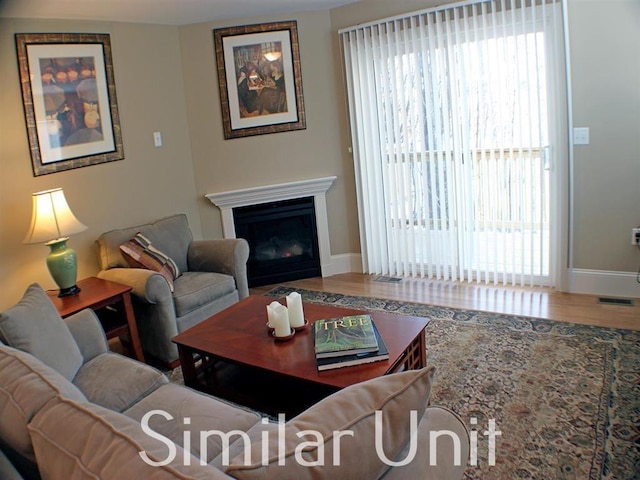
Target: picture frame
x,y
69,97
260,79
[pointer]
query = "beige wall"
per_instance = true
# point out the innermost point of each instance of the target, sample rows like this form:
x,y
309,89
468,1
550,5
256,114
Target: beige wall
x,y
150,182
605,46
222,165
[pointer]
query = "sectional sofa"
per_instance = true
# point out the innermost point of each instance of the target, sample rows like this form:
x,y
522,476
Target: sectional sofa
x,y
70,409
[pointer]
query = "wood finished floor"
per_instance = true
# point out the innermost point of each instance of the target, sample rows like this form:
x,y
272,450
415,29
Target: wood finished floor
x,y
533,302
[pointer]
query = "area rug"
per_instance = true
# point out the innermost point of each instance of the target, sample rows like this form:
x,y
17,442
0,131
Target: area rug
x,y
565,398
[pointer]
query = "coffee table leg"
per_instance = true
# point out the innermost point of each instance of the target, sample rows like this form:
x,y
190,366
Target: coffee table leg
x,y
133,326
422,359
187,362
416,353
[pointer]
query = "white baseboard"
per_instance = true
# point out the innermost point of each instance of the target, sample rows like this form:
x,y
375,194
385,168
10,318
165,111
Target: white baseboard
x,y
343,263
591,282
603,282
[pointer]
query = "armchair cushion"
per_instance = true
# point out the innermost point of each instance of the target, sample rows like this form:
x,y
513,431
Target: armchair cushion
x,y
33,325
140,253
195,289
170,235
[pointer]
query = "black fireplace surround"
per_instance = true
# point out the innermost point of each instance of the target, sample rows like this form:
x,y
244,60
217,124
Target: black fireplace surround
x,y
283,240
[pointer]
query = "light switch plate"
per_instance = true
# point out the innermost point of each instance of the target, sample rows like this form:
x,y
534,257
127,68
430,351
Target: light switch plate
x,y
581,136
157,139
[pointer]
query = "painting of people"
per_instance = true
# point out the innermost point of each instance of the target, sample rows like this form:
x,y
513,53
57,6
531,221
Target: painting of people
x,y
260,79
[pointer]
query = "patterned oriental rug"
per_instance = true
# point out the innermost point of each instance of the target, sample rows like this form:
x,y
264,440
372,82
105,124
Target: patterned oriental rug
x,y
564,397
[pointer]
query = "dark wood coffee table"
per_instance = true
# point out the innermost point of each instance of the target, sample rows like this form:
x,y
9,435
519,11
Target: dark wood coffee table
x,y
232,355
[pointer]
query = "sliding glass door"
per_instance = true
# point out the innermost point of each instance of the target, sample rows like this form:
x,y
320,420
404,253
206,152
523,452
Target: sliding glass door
x,y
453,128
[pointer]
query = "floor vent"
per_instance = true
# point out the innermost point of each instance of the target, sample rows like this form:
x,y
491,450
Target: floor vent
x,y
384,279
616,301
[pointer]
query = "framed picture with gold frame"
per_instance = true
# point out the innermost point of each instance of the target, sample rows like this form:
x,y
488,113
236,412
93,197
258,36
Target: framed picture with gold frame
x,y
69,97
260,79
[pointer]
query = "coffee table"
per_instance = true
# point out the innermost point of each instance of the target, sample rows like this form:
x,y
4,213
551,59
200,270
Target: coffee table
x,y
233,356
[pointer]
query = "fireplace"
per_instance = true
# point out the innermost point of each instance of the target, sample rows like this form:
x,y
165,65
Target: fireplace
x,y
283,240
233,201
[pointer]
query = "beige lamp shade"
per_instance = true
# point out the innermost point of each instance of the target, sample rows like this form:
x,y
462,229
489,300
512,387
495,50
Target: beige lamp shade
x,y
51,218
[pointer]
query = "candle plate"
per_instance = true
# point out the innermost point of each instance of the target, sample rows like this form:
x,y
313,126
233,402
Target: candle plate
x,y
283,339
303,326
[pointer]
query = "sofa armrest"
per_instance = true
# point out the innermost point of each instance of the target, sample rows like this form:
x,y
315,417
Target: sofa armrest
x,y
450,452
228,256
88,334
147,285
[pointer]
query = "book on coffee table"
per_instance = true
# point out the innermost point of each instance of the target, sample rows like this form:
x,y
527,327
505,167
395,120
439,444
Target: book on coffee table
x,y
350,335
355,359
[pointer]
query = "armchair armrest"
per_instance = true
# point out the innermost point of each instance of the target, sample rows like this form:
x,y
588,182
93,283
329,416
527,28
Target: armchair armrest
x,y
227,256
147,285
88,334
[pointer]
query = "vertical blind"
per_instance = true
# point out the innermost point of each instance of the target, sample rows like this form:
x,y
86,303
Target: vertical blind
x,y
457,115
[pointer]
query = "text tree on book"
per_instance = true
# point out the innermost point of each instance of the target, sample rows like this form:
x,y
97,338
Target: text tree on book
x,y
344,336
356,359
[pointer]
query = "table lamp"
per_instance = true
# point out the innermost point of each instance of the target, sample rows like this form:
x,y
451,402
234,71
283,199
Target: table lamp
x,y
52,222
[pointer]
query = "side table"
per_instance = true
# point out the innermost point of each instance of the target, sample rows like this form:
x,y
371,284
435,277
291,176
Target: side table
x,y
96,294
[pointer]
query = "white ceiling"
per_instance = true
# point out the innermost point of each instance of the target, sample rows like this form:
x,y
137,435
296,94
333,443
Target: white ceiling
x,y
165,12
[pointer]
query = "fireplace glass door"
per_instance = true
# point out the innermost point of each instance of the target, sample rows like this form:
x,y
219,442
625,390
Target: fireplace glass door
x,y
282,238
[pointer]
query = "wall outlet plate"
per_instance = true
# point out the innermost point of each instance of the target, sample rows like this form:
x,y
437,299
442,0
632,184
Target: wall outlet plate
x,y
635,236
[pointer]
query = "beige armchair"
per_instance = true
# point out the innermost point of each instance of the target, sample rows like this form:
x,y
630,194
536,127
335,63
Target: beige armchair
x,y
214,276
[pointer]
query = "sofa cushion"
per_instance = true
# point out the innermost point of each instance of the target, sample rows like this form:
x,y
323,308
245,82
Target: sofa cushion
x,y
351,409
171,235
85,441
195,289
140,253
26,385
33,325
204,414
116,382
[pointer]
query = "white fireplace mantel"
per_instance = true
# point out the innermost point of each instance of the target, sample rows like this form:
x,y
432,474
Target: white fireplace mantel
x,y
315,187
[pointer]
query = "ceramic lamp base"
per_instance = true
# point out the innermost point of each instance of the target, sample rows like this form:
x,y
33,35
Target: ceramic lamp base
x,y
65,292
62,266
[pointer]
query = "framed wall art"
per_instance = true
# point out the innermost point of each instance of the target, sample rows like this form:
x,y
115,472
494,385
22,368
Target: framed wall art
x,y
260,79
69,97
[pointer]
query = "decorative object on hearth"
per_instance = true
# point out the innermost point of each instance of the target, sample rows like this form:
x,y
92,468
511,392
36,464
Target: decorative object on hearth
x,y
52,222
69,96
259,79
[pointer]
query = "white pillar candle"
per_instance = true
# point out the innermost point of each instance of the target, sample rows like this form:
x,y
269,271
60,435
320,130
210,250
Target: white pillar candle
x,y
271,312
280,321
296,314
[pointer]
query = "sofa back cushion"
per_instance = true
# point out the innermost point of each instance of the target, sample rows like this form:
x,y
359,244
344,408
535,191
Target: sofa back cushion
x,y
190,414
26,385
117,382
85,441
171,235
352,411
33,325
